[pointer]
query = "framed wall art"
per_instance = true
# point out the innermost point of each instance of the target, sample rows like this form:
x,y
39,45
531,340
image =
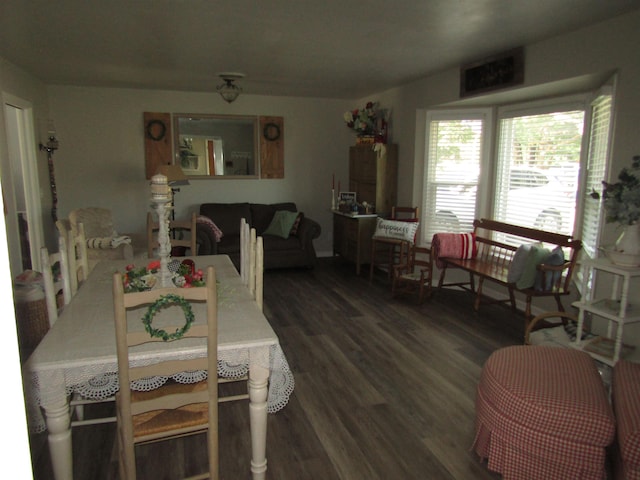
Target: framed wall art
x,y
492,73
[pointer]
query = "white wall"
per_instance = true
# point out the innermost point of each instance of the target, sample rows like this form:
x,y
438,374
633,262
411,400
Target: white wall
x,y
101,157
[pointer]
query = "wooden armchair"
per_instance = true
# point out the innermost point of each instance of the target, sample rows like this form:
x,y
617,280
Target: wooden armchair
x,y
386,252
414,275
103,241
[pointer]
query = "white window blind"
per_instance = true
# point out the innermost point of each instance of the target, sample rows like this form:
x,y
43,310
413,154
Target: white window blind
x,y
454,155
537,169
597,160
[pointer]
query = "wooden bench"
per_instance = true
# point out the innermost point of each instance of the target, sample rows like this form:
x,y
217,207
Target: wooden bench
x,y
494,258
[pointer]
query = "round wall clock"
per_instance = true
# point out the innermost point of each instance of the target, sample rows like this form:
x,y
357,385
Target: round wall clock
x,y
271,132
156,130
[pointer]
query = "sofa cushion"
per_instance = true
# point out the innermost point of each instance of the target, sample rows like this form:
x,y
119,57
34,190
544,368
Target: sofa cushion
x,y
227,215
296,224
281,224
261,214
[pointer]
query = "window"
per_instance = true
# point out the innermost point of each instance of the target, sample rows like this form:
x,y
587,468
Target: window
x,y
537,169
596,171
535,175
455,145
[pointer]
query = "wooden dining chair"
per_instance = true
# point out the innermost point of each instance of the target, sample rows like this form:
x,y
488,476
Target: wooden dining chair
x,y
62,282
414,275
248,240
174,409
259,272
178,229
386,252
78,259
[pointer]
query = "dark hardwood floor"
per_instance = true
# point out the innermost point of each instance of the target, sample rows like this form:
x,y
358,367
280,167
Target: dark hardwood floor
x,y
385,388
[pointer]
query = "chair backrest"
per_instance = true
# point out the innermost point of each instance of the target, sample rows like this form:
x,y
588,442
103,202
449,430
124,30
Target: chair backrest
x,y
201,302
419,257
175,226
259,272
77,256
52,285
98,222
245,249
248,255
404,213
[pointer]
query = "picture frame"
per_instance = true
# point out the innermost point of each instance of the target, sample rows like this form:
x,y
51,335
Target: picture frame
x,y
492,73
347,197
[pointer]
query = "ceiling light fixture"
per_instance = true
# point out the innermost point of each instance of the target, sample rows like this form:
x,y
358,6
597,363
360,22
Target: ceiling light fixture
x,y
228,90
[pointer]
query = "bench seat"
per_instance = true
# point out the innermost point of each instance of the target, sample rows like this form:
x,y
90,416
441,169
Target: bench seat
x,y
494,257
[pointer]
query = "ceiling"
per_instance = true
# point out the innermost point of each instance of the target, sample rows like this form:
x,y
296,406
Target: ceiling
x,y
308,48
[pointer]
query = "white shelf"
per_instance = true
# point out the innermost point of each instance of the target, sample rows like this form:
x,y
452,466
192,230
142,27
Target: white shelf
x,y
617,309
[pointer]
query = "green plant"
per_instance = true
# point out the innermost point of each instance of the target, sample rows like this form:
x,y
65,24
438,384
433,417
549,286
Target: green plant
x,y
622,199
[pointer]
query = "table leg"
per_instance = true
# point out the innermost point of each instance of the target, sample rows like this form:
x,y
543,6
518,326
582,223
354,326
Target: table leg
x,y
59,427
258,381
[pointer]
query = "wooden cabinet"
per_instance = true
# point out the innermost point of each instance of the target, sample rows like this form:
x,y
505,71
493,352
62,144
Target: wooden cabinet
x,y
374,176
352,237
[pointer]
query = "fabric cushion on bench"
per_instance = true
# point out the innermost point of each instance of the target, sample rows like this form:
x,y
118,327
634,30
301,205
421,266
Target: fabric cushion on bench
x,y
535,257
545,281
453,245
517,264
625,395
543,412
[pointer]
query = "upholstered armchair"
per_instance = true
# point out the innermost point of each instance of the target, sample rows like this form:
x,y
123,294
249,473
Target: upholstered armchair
x,y
103,241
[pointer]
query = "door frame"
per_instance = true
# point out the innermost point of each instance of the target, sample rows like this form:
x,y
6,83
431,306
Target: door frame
x,y
20,165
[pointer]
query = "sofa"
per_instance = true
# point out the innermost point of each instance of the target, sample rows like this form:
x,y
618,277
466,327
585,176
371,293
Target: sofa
x,y
293,248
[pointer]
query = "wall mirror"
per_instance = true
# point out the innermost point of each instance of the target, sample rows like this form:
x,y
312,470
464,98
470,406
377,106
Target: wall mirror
x,y
218,146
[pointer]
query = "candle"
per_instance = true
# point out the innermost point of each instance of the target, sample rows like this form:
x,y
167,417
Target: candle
x,y
333,181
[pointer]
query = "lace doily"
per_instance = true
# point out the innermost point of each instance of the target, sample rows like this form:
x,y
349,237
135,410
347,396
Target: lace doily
x,y
102,385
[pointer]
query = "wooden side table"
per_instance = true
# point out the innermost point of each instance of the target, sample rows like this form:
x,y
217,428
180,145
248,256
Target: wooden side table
x,y
352,237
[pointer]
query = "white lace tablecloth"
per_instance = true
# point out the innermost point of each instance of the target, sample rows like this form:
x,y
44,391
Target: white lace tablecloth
x,y
79,353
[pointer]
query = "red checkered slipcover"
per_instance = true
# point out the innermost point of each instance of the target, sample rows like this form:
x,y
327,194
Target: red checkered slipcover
x,y
543,413
625,389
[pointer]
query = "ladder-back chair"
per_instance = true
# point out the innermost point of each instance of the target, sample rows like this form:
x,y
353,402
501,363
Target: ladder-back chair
x,y
386,252
414,275
177,228
53,286
174,409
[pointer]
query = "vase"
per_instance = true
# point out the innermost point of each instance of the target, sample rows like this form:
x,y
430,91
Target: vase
x,y
629,240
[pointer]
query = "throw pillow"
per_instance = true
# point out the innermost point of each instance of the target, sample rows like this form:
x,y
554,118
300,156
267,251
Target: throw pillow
x,y
296,224
518,262
281,223
535,257
555,258
396,229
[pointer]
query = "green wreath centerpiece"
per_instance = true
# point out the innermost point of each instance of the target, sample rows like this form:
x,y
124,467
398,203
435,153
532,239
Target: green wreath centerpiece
x,y
162,302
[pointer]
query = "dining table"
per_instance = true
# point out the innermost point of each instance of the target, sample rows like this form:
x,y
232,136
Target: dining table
x,y
78,354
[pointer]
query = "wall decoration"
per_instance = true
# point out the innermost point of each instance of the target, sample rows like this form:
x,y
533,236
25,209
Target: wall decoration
x,y
272,147
157,141
492,73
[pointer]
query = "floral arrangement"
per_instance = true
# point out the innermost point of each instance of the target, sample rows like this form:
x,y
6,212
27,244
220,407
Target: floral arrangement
x,y
370,120
144,278
622,199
